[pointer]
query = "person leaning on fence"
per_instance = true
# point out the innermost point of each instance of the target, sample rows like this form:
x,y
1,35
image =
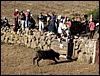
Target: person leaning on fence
x,y
16,15
92,28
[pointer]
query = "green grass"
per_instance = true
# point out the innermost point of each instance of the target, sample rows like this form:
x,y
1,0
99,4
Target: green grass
x,y
95,13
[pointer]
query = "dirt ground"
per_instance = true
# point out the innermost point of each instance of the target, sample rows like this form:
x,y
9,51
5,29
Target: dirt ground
x,y
17,60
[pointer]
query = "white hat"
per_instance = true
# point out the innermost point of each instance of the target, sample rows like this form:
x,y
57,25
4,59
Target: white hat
x,y
31,15
28,10
61,20
39,16
59,17
97,24
90,20
67,18
16,10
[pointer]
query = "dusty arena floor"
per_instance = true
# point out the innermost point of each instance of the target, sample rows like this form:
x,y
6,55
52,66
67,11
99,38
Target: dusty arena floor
x,y
17,60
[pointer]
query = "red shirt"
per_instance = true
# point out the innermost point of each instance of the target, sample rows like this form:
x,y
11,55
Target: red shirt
x,y
91,25
16,14
68,23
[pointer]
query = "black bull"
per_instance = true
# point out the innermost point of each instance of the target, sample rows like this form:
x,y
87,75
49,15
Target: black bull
x,y
48,54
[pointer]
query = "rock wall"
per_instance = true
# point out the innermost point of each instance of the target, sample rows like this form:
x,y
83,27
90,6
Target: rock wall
x,y
29,38
84,48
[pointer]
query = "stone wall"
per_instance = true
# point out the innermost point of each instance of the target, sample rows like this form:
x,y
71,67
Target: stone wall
x,y
84,48
29,38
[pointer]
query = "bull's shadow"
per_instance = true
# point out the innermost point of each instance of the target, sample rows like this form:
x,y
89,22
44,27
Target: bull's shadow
x,y
64,61
60,62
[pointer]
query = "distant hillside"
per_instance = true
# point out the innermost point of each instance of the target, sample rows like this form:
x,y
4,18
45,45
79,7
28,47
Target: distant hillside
x,y
59,7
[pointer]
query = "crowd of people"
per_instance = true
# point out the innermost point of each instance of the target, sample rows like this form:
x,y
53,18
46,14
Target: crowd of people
x,y
62,26
52,23
23,20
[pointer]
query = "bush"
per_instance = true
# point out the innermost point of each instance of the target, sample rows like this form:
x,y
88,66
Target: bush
x,y
95,14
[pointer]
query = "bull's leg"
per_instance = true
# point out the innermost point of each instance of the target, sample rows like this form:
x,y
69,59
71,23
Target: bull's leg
x,y
34,60
55,60
38,61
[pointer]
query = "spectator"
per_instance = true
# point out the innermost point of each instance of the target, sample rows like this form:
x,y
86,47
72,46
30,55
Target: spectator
x,y
32,22
64,20
60,32
22,20
58,21
68,24
97,27
27,18
41,24
86,23
4,22
92,28
60,28
16,15
48,18
52,27
91,18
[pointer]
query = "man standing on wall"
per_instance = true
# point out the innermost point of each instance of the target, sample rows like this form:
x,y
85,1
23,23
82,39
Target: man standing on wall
x,y
69,48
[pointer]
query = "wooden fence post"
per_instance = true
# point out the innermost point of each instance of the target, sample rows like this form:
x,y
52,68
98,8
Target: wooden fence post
x,y
94,52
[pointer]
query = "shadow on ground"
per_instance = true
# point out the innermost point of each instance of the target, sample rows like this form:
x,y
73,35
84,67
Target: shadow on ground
x,y
64,61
